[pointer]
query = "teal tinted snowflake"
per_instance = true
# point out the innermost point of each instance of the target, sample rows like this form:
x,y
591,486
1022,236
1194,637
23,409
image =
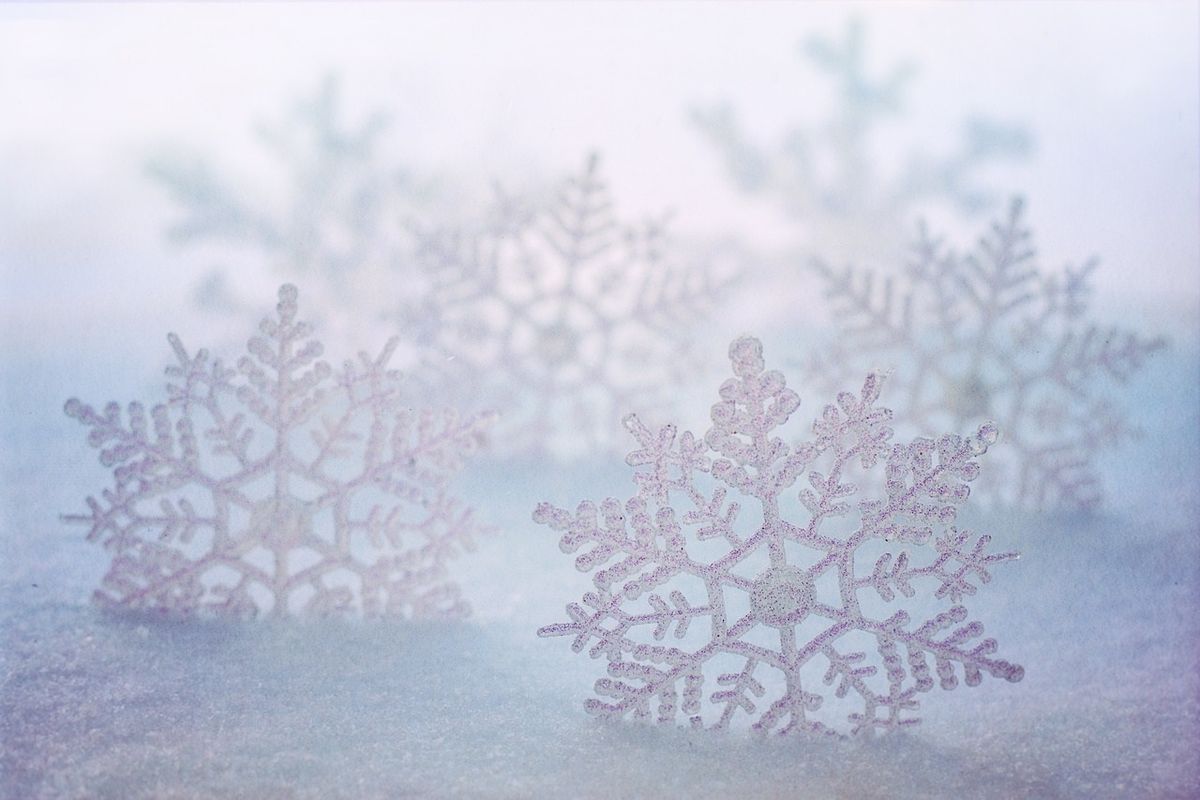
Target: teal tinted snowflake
x,y
988,334
831,176
280,485
795,598
330,211
562,316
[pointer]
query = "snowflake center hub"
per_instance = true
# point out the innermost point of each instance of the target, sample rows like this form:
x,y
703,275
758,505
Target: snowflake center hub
x,y
283,522
782,596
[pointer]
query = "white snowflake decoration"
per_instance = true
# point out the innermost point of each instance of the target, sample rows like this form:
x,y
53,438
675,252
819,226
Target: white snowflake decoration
x,y
770,609
330,212
987,335
561,316
280,486
831,177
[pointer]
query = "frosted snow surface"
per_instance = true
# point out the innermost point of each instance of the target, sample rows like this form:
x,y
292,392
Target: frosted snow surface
x,y
1099,611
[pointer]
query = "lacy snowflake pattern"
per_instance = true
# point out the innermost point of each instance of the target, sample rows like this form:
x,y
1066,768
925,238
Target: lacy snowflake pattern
x,y
783,602
831,176
330,212
562,316
989,335
280,486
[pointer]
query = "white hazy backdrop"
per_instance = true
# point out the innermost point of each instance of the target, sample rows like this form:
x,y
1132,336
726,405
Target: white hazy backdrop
x,y
520,92
1100,610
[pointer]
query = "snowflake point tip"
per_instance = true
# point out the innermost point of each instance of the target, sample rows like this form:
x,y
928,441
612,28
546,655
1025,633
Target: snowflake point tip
x,y
636,550
196,526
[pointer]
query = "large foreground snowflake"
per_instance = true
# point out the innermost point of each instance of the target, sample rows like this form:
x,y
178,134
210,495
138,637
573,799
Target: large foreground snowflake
x,y
988,335
280,486
769,609
835,177
561,316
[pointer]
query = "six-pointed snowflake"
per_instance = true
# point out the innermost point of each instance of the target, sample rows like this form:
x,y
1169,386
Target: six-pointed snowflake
x,y
280,486
562,317
783,591
332,214
988,335
831,176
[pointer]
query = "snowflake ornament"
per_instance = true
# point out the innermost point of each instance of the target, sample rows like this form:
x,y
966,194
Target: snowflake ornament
x,y
560,315
792,608
989,335
280,486
832,176
329,212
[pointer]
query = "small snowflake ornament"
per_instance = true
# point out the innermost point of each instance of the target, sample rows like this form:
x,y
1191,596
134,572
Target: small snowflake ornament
x,y
989,335
561,315
816,607
280,485
831,175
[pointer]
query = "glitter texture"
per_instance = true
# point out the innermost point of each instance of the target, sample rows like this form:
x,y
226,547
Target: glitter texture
x,y
281,486
798,624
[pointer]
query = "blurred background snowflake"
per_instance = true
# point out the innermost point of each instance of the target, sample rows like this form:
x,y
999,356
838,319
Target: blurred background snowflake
x,y
166,168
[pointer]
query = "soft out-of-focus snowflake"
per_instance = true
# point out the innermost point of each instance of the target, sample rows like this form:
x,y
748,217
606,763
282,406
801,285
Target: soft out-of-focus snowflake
x,y
332,216
792,607
987,334
280,485
831,176
561,316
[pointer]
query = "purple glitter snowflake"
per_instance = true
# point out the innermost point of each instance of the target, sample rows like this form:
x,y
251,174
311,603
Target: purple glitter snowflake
x,y
989,335
280,486
562,316
787,607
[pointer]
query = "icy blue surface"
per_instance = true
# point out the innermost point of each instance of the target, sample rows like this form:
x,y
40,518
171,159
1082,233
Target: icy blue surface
x,y
1100,610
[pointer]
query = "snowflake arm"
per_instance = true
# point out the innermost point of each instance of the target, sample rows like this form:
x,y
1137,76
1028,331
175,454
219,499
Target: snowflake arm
x,y
988,335
832,174
305,492
643,552
564,316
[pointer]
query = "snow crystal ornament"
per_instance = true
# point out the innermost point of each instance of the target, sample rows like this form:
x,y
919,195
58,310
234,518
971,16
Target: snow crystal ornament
x,y
784,603
834,177
988,334
280,486
561,316
329,210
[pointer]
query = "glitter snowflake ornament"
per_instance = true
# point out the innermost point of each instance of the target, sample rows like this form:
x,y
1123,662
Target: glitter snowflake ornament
x,y
562,316
796,609
989,335
280,486
835,177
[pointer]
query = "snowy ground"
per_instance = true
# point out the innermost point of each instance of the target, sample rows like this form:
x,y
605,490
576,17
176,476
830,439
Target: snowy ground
x,y
1101,612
